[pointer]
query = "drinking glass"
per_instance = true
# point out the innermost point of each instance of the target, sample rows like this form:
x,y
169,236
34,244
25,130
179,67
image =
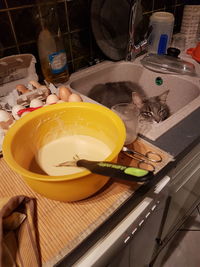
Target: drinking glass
x,y
129,113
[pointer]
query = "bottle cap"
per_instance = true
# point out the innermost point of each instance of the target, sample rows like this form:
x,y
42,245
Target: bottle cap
x,y
162,17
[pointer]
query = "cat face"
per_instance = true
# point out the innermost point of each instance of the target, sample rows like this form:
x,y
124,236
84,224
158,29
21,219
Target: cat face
x,y
153,108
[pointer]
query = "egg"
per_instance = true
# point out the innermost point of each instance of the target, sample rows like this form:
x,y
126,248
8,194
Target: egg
x,y
4,115
35,84
5,119
36,103
44,89
64,93
60,101
75,98
22,89
2,134
52,99
15,109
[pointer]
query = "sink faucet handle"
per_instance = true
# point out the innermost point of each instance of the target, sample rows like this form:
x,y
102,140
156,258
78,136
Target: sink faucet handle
x,y
134,49
130,49
130,55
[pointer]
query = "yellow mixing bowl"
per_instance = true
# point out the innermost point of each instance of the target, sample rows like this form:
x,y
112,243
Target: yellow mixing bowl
x,y
38,128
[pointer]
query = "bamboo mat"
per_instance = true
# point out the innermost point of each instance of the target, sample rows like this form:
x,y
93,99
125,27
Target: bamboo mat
x,y
62,226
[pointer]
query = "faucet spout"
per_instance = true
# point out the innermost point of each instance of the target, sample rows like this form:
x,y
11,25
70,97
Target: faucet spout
x,y
136,17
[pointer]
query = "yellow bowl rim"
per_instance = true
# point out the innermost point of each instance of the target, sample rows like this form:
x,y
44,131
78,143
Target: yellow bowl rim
x,y
55,107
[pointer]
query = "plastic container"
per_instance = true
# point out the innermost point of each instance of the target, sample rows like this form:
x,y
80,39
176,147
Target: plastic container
x,y
161,35
190,25
30,133
52,54
16,69
195,52
179,41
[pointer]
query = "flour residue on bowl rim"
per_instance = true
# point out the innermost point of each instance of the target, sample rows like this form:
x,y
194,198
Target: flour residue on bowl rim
x,y
61,128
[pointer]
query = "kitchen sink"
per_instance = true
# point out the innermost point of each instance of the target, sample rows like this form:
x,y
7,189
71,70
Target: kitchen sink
x,y
183,97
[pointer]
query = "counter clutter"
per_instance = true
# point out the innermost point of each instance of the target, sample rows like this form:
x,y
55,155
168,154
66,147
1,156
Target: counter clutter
x,y
63,226
24,99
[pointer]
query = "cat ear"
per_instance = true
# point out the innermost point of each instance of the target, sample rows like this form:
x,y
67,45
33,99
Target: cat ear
x,y
163,97
137,100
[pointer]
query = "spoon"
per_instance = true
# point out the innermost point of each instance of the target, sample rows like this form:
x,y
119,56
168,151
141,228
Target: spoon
x,y
114,170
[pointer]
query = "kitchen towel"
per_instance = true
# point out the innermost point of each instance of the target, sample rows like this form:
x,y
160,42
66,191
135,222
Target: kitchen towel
x,y
19,244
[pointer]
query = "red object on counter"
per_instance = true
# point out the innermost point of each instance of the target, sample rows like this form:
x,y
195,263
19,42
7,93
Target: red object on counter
x,y
195,52
21,111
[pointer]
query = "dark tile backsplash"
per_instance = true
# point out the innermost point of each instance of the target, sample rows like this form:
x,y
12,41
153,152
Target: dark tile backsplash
x,y
23,23
19,27
17,3
6,37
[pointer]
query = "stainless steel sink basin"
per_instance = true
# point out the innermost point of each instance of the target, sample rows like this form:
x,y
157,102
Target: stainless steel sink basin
x,y
183,98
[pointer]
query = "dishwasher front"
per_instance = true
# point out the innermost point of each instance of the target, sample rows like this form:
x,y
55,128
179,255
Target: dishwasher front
x,y
132,241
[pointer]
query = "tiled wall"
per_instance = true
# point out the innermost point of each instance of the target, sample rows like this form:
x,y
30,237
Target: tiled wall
x,y
18,33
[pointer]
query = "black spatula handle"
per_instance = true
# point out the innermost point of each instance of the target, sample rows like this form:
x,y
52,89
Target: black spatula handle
x,y
115,170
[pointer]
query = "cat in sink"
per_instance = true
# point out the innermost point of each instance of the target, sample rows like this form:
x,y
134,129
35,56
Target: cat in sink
x,y
152,109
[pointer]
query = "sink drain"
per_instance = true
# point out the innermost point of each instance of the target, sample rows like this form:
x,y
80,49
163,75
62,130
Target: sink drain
x,y
159,81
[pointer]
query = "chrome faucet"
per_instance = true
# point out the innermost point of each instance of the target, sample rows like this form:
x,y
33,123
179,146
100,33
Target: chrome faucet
x,y
136,17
